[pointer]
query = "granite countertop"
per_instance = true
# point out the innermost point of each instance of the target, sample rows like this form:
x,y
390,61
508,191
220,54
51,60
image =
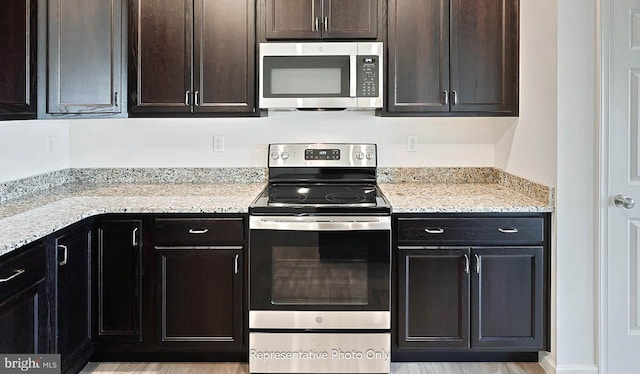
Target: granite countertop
x,y
424,197
29,218
37,207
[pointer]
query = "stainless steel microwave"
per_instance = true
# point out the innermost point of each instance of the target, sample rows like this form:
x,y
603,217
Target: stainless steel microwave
x,y
321,75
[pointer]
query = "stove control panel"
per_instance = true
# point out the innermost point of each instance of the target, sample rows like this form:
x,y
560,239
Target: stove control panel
x,y
322,155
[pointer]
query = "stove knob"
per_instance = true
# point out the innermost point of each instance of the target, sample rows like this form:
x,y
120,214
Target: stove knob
x,y
284,155
359,155
369,155
275,155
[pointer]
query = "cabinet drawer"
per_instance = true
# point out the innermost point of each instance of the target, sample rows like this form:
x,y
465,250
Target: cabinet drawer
x,y
517,230
198,232
23,270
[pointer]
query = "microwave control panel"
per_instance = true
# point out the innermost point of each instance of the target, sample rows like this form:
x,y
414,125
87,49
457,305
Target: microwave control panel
x,y
367,80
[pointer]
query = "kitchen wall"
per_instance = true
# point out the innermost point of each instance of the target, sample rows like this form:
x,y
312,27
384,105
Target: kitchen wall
x,y
189,142
32,147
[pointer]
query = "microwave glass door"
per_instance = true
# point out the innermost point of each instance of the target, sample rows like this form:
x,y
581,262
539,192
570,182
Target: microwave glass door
x,y
305,76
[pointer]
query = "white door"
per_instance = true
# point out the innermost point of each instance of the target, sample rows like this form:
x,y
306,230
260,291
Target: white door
x,y
622,351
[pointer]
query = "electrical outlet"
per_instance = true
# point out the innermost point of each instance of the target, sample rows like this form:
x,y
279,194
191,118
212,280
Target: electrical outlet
x,y
412,143
49,144
218,143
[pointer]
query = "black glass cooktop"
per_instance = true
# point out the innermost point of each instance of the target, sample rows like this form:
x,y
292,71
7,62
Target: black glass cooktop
x,y
312,198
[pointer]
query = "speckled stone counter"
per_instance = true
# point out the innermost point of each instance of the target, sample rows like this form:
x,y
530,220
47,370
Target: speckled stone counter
x,y
29,218
424,197
35,207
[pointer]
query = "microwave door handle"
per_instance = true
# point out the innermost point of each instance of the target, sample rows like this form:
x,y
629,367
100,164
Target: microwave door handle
x,y
353,77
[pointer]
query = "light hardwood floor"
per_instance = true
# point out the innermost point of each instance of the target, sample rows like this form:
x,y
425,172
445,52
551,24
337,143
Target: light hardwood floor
x,y
241,368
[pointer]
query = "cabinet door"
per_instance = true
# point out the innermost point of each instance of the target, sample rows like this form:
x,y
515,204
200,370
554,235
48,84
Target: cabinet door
x,y
160,59
484,56
18,59
293,19
349,19
508,298
224,56
74,295
85,56
433,300
418,56
24,306
119,280
201,297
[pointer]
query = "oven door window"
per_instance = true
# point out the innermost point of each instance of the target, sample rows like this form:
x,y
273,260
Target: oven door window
x,y
320,276
319,270
305,76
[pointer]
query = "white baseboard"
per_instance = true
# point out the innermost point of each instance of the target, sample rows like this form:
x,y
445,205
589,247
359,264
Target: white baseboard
x,y
577,369
548,364
550,367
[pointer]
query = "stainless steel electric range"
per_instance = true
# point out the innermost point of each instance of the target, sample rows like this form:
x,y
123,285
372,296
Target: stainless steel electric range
x,y
320,260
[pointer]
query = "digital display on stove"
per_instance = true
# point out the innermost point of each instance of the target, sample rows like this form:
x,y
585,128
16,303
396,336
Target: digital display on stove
x,y
321,154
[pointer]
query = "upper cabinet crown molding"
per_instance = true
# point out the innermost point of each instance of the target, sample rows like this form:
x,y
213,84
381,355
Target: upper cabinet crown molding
x,y
18,40
453,57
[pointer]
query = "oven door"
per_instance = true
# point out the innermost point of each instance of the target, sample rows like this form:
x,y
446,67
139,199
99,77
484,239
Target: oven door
x,y
300,266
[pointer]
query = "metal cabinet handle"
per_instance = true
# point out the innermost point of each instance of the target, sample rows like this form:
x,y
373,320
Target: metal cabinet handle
x,y
455,97
622,201
194,231
326,24
317,25
434,231
508,231
117,99
15,274
65,256
196,99
477,263
186,98
466,264
446,97
235,264
134,239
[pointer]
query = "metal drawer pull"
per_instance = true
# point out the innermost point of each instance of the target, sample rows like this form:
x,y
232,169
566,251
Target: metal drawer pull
x,y
66,253
455,97
194,231
326,24
196,98
508,231
134,242
317,21
117,100
186,98
477,263
235,266
466,264
429,230
446,97
15,274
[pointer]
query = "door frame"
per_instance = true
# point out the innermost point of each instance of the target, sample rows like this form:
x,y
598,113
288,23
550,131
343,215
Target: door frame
x,y
602,184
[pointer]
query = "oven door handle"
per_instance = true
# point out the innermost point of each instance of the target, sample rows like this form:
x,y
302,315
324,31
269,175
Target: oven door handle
x,y
319,223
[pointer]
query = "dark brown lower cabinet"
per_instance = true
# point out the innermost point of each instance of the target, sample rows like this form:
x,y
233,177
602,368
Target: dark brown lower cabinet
x,y
73,274
24,315
200,298
480,299
119,280
435,298
508,297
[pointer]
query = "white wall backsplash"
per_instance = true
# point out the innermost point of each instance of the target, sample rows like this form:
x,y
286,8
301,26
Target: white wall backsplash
x,y
189,142
23,150
528,149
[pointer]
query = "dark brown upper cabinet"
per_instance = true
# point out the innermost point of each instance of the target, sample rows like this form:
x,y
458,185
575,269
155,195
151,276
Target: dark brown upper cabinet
x,y
18,42
191,56
321,19
453,57
85,58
